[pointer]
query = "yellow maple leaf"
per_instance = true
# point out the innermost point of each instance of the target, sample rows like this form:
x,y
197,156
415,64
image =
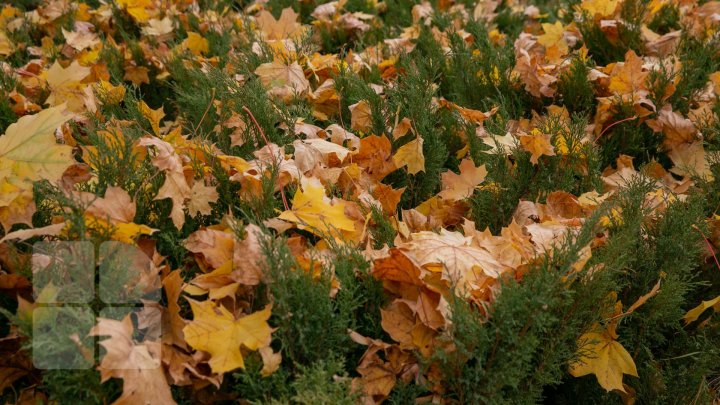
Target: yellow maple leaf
x,y
216,331
136,8
154,116
28,149
603,356
65,85
312,210
553,40
628,77
196,43
411,154
600,8
6,45
537,144
29,152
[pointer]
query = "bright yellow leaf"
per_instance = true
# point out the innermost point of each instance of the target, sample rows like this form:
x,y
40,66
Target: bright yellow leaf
x,y
603,356
28,149
312,210
693,314
196,43
411,154
537,144
216,331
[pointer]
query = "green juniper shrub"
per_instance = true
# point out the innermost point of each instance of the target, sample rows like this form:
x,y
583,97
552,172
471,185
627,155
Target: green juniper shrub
x,y
478,75
324,382
413,98
666,19
351,89
381,230
700,58
628,136
674,362
514,177
575,90
309,325
525,340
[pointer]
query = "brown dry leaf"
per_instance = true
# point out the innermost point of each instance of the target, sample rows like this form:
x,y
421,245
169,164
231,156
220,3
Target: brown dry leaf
x,y
137,75
279,75
402,128
397,267
360,116
25,234
139,365
537,80
271,361
286,27
459,261
116,205
398,320
201,196
80,39
676,128
690,160
175,186
375,156
215,246
388,197
461,186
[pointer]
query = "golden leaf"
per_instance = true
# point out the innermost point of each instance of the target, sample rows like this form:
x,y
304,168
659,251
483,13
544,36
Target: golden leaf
x,y
603,356
537,144
216,331
693,314
312,210
196,43
411,154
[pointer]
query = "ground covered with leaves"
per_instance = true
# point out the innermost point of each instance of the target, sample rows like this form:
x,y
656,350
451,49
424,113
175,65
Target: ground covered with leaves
x,y
363,201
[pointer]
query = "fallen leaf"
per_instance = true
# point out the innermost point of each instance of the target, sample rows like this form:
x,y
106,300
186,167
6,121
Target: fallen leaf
x,y
538,144
693,314
216,331
603,356
139,365
461,186
313,211
411,154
